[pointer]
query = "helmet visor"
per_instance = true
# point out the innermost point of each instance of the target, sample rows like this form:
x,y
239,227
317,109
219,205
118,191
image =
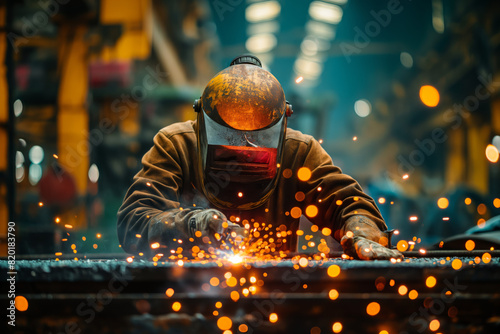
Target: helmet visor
x,y
244,163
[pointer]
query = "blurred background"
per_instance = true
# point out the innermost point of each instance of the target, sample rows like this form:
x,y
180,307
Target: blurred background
x,y
404,95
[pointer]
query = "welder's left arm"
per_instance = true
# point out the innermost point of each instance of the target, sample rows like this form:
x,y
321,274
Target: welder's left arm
x,y
342,206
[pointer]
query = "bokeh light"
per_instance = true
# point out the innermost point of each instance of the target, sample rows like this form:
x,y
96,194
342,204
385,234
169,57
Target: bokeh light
x,y
429,96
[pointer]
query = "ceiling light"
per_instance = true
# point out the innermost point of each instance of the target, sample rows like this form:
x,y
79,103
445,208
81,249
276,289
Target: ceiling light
x,y
262,11
320,30
325,12
261,43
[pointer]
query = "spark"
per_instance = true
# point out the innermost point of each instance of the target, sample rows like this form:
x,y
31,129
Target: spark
x,y
299,79
405,177
373,308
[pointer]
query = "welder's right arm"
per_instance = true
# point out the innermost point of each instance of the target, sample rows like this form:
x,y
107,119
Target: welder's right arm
x,y
150,219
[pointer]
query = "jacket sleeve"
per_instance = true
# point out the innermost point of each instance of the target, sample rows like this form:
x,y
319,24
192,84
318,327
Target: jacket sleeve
x,y
150,218
336,195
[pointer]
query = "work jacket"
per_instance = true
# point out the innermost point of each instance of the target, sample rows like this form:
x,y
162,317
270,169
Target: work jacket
x,y
166,193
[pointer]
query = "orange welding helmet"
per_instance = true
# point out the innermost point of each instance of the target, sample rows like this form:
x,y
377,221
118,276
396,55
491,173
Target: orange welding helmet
x,y
241,130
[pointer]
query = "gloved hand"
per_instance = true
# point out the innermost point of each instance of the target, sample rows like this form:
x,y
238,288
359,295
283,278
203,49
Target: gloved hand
x,y
362,239
210,227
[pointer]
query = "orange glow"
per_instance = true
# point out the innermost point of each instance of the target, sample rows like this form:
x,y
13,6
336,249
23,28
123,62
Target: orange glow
x,y
240,194
130,259
304,174
492,153
413,218
235,296
273,317
486,257
169,292
58,220
218,304
413,294
354,138
224,323
467,201
381,200
373,308
333,294
214,281
443,203
337,327
40,204
333,270
402,245
481,209
430,281
402,290
98,235
469,245
338,202
496,203
481,222
429,95
300,196
312,211
383,332
176,306
303,262
326,231
456,264
287,173
68,226
21,303
299,79
231,281
243,328
434,325
155,245
296,212
406,176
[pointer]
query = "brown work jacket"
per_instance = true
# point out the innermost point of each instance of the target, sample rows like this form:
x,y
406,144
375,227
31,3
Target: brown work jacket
x,y
166,193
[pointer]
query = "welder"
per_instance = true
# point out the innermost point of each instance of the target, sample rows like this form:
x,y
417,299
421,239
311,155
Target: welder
x,y
238,165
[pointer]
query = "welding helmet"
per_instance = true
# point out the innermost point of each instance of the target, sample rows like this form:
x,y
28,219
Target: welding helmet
x,y
241,126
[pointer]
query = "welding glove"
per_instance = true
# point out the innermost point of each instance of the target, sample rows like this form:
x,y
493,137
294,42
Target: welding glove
x,y
362,239
213,228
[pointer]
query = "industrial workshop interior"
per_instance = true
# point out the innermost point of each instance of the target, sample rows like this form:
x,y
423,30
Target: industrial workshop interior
x,y
250,166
